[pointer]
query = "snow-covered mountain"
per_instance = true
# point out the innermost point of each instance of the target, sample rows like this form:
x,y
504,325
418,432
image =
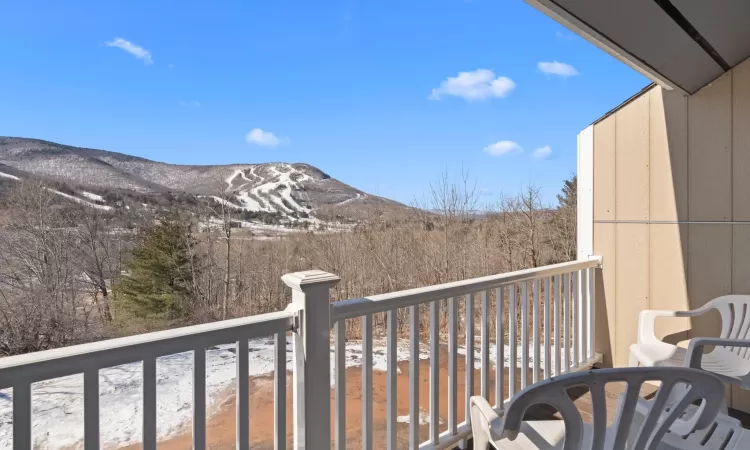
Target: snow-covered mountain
x,y
290,190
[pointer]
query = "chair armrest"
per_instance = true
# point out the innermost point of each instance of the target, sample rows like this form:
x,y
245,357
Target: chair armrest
x,y
647,318
694,353
484,419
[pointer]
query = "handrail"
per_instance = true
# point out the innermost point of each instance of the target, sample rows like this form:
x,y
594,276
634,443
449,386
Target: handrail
x,y
559,297
44,365
347,309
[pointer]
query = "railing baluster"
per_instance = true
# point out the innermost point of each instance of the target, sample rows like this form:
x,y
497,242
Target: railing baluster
x,y
434,372
279,401
149,404
485,332
91,409
524,334
199,398
22,416
469,387
367,382
592,312
243,396
566,321
452,365
339,394
576,323
499,347
547,346
414,377
558,335
391,378
582,313
512,341
535,337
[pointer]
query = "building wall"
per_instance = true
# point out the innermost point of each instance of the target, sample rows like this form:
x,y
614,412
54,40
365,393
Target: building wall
x,y
671,209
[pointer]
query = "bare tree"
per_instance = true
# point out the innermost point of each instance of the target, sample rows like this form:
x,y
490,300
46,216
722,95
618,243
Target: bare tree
x,y
531,213
225,212
455,203
41,282
100,249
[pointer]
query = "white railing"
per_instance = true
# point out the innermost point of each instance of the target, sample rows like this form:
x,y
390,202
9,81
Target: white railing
x,y
19,372
562,303
567,292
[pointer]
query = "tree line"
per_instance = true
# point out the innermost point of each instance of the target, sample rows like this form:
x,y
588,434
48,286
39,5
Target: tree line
x,y
72,274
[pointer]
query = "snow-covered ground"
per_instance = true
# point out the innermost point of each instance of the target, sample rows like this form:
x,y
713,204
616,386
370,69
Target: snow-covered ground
x,y
92,196
81,201
519,360
424,418
70,197
7,175
58,403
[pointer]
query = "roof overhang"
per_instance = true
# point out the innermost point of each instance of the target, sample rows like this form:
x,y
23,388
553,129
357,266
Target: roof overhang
x,y
679,44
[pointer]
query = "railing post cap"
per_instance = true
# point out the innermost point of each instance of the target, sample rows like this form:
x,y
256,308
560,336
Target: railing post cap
x,y
299,281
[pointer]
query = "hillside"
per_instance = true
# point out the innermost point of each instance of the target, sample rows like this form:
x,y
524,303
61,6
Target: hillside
x,y
291,191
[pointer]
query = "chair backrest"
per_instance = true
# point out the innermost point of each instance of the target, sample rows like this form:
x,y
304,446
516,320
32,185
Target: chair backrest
x,y
694,384
735,320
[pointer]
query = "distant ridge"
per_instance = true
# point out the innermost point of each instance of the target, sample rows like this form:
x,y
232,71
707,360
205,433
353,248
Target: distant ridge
x,y
287,189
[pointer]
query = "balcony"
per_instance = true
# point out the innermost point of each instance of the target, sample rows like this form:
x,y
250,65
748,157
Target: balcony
x,y
412,354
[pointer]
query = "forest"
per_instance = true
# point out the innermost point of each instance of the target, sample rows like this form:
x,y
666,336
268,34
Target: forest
x,y
71,274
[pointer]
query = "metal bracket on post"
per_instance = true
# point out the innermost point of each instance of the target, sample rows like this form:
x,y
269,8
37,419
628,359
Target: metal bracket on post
x,y
312,359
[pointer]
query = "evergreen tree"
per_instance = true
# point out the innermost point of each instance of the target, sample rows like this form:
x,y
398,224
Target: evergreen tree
x,y
564,238
159,279
568,197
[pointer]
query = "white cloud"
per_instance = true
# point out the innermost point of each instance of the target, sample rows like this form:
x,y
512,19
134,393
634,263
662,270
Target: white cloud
x,y
562,36
557,68
264,138
500,148
190,104
480,84
135,50
542,152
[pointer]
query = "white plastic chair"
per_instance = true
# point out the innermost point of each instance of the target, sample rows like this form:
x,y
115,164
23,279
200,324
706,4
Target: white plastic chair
x,y
510,431
729,360
725,433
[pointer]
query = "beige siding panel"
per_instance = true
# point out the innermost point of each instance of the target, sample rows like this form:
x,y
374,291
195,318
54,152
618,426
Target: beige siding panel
x,y
740,399
632,284
604,169
741,141
668,277
741,197
606,314
710,151
668,156
632,160
741,259
741,285
709,272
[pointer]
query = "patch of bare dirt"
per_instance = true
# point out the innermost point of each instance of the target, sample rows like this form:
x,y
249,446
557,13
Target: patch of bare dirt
x,y
221,426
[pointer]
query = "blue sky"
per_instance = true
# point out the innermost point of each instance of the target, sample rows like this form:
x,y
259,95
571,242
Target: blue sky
x,y
369,91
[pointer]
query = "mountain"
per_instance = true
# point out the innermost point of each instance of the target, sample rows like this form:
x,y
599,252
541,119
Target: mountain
x,y
291,191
